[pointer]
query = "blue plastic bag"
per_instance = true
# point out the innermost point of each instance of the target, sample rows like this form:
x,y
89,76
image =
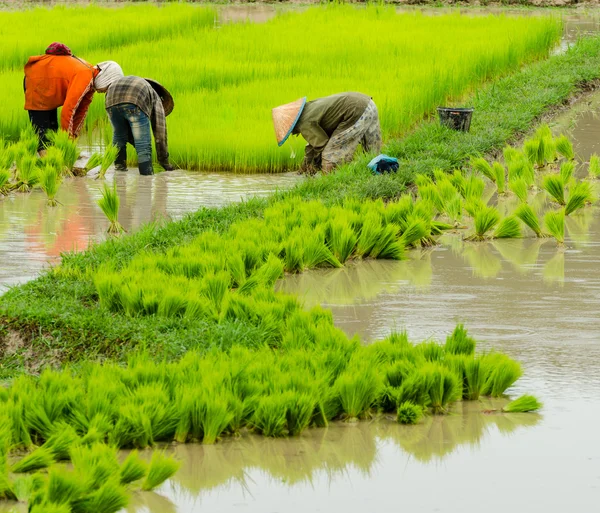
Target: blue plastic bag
x,y
383,164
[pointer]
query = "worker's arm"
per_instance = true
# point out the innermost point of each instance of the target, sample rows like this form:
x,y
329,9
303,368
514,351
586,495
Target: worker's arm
x,y
77,102
159,129
316,138
312,161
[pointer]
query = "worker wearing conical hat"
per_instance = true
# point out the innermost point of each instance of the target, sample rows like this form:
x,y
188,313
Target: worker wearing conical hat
x,y
135,105
333,127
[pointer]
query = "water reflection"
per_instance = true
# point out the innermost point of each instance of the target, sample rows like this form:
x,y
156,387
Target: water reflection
x,y
32,235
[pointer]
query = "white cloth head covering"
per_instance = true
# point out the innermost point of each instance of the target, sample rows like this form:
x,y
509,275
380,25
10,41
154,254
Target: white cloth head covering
x,y
109,72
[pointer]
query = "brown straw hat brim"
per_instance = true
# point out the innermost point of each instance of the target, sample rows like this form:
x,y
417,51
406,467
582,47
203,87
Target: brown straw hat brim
x,y
165,96
285,118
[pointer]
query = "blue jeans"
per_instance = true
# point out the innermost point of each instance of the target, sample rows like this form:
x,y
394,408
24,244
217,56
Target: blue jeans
x,y
130,124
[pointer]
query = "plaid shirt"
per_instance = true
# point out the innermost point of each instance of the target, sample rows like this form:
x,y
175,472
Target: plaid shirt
x,y
137,91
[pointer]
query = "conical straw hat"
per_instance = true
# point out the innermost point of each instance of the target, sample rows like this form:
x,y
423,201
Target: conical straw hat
x,y
165,96
285,118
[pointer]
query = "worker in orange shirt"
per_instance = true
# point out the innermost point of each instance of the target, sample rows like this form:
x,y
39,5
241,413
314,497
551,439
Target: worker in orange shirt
x,y
58,79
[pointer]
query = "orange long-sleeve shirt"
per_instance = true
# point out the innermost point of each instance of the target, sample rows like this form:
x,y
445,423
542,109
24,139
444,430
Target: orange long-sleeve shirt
x,y
52,81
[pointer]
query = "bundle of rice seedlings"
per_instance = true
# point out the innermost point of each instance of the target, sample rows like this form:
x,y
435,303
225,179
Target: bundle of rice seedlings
x,y
474,187
472,206
29,139
555,186
269,417
594,167
454,208
459,181
6,487
109,203
414,232
5,181
132,469
343,240
63,487
502,372
485,219
369,234
357,391
300,408
525,403
475,374
555,224
443,386
60,443
510,154
54,158
566,171
40,458
564,147
409,413
431,193
49,182
94,161
500,176
25,486
526,214
509,228
458,342
519,187
27,174
67,146
109,156
110,497
50,508
481,165
579,195
293,253
161,468
316,253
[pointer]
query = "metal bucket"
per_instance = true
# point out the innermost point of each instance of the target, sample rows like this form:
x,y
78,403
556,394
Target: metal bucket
x,y
456,119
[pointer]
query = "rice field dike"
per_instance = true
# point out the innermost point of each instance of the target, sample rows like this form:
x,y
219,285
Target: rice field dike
x,y
175,334
219,76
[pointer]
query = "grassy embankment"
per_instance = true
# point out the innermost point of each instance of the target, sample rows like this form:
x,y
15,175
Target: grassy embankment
x,y
225,81
58,318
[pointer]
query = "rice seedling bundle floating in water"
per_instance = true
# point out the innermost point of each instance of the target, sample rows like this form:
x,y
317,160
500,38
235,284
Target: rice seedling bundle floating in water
x,y
485,220
27,174
219,83
508,228
109,203
519,187
579,195
564,147
555,224
526,214
525,403
594,167
566,171
49,182
108,158
67,146
555,186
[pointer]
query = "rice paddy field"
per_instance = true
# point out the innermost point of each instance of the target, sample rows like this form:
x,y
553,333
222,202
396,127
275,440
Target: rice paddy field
x,y
350,343
219,76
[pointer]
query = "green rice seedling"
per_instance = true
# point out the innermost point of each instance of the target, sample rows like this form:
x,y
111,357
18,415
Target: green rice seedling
x,y
293,253
49,182
579,195
555,224
110,497
409,413
25,486
94,161
566,171
60,443
459,181
443,386
109,203
27,174
454,208
316,254
502,372
357,391
38,459
594,167
95,464
459,342
500,174
555,186
387,246
299,412
473,206
132,469
510,154
485,220
482,166
270,418
519,187
108,158
430,193
525,403
4,182
526,214
160,469
369,234
343,240
564,147
415,231
50,508
54,158
29,139
68,147
474,187
63,487
6,487
475,375
508,228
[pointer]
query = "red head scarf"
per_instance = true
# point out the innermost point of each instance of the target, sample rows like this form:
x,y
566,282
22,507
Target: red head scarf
x,y
58,49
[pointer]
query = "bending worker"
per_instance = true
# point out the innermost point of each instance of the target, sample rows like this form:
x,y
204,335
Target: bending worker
x,y
332,126
56,79
134,105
